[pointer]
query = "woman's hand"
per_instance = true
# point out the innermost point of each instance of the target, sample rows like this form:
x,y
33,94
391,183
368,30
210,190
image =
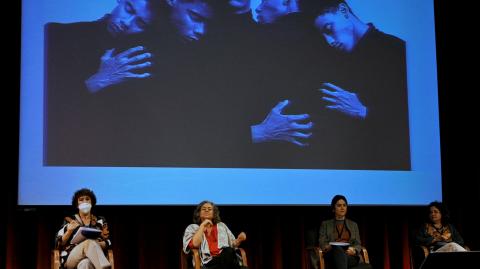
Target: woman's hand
x,y
102,244
105,233
327,248
198,236
437,238
206,223
240,238
72,225
350,251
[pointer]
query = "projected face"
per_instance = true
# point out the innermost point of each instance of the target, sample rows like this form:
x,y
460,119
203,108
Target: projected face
x,y
340,209
190,18
337,30
206,211
270,11
129,17
435,215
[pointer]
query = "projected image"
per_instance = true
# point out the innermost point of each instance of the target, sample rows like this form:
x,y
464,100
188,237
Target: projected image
x,y
226,84
244,102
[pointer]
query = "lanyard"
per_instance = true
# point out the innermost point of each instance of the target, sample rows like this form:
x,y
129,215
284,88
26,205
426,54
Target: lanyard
x,y
339,233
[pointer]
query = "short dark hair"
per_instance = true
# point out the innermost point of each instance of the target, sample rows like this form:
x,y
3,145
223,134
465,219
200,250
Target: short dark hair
x,y
216,213
83,192
319,7
335,199
443,210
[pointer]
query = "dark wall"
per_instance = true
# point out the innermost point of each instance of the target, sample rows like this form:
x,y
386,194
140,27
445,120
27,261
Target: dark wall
x,y
149,237
10,47
458,114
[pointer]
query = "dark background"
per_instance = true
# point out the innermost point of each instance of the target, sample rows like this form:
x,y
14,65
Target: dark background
x,y
150,236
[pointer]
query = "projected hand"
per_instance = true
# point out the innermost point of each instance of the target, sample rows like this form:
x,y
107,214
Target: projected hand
x,y
280,127
343,101
115,69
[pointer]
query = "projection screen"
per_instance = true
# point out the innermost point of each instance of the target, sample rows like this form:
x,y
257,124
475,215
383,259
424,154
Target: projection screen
x,y
202,119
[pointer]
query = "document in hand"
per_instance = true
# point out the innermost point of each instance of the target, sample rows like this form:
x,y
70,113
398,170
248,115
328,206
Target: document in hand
x,y
85,233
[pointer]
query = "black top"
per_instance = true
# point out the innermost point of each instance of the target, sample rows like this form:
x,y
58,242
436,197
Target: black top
x,y
376,71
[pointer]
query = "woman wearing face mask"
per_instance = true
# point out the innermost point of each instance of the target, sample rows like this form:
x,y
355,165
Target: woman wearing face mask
x,y
89,253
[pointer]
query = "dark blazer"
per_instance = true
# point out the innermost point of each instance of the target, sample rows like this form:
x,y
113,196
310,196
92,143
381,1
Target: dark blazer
x,y
74,118
425,239
376,71
328,234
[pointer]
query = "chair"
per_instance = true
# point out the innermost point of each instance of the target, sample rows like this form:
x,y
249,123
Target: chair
x,y
185,259
363,263
56,259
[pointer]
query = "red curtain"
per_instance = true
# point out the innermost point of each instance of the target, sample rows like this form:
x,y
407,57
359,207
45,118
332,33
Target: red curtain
x,y
151,236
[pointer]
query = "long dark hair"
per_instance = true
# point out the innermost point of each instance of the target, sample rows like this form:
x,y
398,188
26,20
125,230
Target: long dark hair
x,y
216,213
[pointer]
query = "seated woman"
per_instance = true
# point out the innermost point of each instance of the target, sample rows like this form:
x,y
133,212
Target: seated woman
x,y
438,234
339,237
89,253
213,239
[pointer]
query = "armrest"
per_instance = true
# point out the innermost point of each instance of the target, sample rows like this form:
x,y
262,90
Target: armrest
x,y
321,257
55,261
425,251
364,255
110,258
196,258
183,260
311,261
244,257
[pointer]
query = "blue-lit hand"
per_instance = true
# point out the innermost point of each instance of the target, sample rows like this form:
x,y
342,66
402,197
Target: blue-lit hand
x,y
280,127
343,101
115,69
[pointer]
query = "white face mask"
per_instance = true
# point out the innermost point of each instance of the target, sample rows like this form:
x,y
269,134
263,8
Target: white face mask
x,y
85,207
